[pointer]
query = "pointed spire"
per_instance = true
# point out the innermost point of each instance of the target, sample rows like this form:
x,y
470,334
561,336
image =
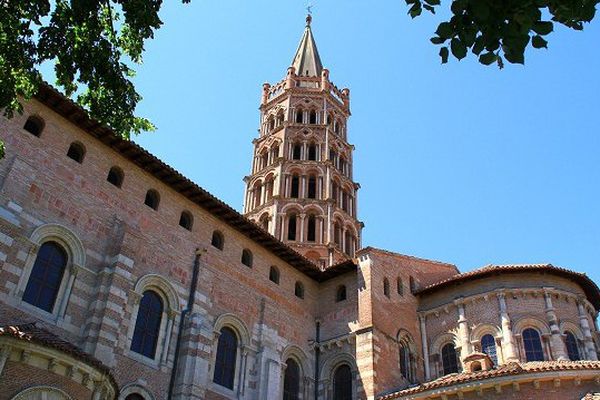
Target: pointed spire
x,y
307,61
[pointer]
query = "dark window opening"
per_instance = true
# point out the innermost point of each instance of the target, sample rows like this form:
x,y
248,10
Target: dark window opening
x,y
299,290
46,276
533,345
400,286
299,118
291,381
312,187
226,358
217,240
295,192
76,152
292,222
147,325
34,125
342,383
572,348
449,359
274,275
311,234
312,152
134,396
115,176
247,258
152,199
340,295
488,346
297,152
313,117
186,220
386,287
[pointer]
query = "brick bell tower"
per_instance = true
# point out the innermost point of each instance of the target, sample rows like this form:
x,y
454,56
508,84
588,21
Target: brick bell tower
x,y
301,188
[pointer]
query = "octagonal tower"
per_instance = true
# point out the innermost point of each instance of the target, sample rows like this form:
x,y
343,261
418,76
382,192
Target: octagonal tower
x,y
301,189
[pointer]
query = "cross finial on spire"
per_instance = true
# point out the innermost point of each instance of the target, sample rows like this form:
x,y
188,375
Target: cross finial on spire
x,y
309,7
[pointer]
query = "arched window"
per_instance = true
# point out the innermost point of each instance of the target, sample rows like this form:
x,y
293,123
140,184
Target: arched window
x,y
335,192
226,358
264,222
274,274
312,152
147,324
336,127
299,115
275,152
405,361
337,233
340,295
257,194
312,187
572,348
217,240
186,220
247,258
291,380
292,224
299,290
134,396
115,176
533,345
386,287
311,234
449,359
488,346
330,119
413,285
342,383
297,151
280,118
34,125
264,159
76,152
46,276
400,286
295,189
313,117
271,123
152,199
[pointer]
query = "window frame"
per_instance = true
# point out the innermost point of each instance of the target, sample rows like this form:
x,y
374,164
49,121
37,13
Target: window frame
x,y
533,352
79,147
247,258
220,245
454,366
76,259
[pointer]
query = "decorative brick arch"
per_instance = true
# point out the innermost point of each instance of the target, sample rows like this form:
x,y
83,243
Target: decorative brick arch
x,y
232,321
571,327
442,340
295,352
162,286
135,388
42,393
531,322
64,236
484,329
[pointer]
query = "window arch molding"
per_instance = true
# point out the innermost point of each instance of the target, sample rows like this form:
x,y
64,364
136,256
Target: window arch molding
x,y
234,323
135,388
299,356
406,341
171,309
531,322
331,365
485,329
76,260
30,393
442,340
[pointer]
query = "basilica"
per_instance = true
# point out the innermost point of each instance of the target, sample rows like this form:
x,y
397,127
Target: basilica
x,y
122,279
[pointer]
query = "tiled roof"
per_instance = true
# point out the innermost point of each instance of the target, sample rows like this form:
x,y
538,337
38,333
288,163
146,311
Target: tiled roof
x,y
505,370
33,332
591,289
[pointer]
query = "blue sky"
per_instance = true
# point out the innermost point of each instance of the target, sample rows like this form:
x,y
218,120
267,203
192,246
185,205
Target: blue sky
x,y
459,162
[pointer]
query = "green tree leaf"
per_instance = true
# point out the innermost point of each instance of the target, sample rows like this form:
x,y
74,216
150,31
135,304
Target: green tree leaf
x,y
459,50
538,42
444,54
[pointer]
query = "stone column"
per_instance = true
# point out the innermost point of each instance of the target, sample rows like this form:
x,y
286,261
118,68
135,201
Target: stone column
x,y
508,343
171,315
463,330
584,323
302,235
557,345
425,346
